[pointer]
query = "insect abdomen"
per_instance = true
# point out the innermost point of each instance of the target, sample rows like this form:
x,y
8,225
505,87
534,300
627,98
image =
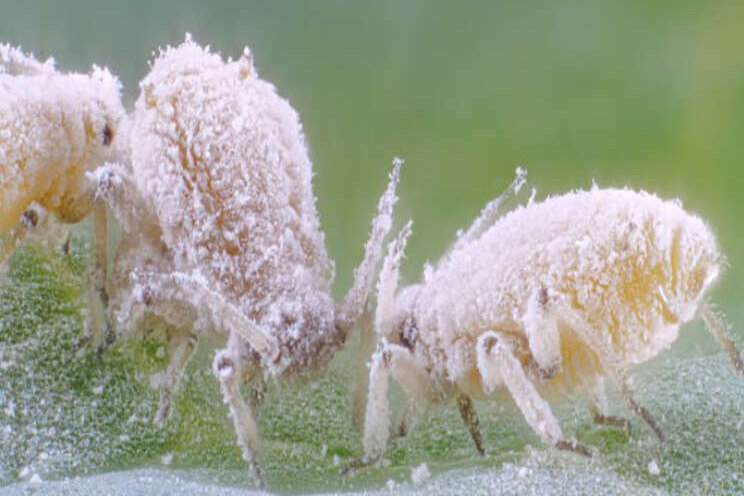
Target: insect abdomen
x,y
606,254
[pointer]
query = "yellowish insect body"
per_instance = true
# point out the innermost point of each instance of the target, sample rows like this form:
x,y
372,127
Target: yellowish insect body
x,y
631,266
53,129
554,296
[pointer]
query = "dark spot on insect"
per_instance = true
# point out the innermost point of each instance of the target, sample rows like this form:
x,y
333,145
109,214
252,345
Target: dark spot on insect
x,y
108,135
288,320
66,246
542,296
31,218
147,296
408,332
225,364
258,393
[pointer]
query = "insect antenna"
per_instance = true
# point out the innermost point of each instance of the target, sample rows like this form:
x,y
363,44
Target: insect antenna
x,y
489,213
717,326
387,286
355,301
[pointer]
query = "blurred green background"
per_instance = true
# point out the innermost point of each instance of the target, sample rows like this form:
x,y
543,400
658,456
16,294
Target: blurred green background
x,y
644,94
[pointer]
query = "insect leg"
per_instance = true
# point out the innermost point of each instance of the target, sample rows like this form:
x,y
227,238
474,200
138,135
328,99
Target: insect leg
x,y
98,298
408,418
598,408
114,185
470,418
498,367
387,286
65,248
410,374
10,242
361,375
184,350
543,336
115,189
716,325
258,392
178,289
386,289
397,361
34,217
609,361
228,367
377,416
639,409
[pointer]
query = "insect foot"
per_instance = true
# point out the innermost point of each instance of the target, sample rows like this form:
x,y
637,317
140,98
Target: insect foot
x,y
558,295
576,447
219,223
597,407
55,127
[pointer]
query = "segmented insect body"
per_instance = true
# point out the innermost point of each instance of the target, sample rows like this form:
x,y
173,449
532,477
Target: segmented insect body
x,y
54,127
222,160
223,236
555,295
631,266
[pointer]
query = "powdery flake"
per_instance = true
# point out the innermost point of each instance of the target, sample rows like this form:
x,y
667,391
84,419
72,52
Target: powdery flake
x,y
653,468
420,474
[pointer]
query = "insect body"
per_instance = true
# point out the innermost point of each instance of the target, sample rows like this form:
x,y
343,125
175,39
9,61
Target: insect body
x,y
554,296
221,231
54,127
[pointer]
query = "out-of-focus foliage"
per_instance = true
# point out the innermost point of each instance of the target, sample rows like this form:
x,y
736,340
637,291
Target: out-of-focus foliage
x,y
638,93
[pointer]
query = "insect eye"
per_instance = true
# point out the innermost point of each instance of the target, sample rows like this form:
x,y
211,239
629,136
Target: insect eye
x,y
108,135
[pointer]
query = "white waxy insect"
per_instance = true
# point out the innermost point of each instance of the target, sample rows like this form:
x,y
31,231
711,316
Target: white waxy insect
x,y
553,297
221,234
54,127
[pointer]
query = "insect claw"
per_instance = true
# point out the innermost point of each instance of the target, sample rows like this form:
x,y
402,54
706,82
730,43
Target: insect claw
x,y
258,473
575,446
613,421
109,338
548,372
356,464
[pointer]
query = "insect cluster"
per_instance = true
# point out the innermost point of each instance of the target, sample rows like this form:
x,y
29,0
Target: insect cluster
x,y
213,193
211,186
